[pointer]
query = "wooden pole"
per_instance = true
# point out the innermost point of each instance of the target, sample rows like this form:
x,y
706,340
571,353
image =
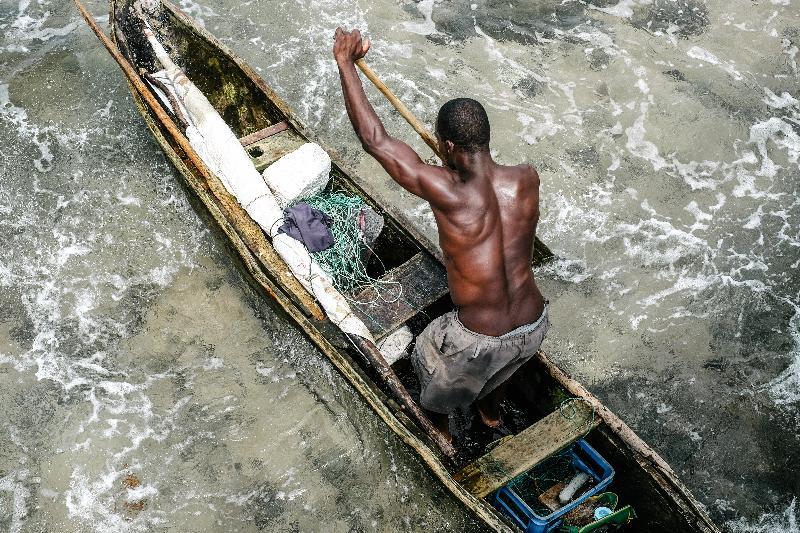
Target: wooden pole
x,y
418,126
375,357
251,234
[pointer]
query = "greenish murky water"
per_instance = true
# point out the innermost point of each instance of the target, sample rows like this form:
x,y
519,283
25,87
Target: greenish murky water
x,y
144,386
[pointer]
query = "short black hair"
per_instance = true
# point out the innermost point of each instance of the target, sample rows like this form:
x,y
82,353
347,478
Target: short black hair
x,y
463,121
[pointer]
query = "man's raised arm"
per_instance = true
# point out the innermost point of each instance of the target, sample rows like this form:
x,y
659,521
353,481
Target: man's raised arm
x,y
399,159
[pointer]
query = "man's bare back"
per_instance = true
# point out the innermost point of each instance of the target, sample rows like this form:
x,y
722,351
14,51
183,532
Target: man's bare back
x,y
487,238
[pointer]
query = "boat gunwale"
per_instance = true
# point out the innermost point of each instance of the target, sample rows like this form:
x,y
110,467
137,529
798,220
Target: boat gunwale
x,y
613,428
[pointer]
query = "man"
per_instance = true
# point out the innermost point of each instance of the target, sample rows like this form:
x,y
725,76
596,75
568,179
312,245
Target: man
x,y
486,215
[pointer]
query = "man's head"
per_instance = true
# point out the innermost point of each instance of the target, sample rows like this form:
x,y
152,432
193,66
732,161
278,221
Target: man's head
x,y
462,125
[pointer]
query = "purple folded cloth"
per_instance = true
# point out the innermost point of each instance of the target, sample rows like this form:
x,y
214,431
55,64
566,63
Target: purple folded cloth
x,y
309,226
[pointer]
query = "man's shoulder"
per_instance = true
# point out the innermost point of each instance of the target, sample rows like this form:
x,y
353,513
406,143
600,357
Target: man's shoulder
x,y
524,173
440,186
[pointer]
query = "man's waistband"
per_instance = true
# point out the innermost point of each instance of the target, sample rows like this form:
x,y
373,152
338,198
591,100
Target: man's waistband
x,y
521,330
526,328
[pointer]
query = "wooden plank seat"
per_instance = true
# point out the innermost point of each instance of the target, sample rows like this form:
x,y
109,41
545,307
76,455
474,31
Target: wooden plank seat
x,y
271,143
422,280
523,451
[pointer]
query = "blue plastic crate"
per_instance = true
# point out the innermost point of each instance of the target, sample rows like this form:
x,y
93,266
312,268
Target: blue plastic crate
x,y
583,458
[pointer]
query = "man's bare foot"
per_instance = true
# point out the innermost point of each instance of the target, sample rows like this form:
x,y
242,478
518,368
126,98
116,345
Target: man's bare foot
x,y
489,408
488,421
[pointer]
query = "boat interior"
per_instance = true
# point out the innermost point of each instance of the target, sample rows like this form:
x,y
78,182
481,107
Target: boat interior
x,y
544,418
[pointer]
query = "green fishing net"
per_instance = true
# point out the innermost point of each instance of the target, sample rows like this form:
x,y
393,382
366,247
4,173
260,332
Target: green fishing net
x,y
344,262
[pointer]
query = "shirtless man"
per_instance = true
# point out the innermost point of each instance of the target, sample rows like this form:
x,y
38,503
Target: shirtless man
x,y
486,215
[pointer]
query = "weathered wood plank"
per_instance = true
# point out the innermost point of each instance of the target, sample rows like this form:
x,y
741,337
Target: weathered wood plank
x,y
269,149
269,131
423,280
525,450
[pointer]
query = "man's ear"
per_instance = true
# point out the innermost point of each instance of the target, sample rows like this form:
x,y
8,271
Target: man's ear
x,y
450,146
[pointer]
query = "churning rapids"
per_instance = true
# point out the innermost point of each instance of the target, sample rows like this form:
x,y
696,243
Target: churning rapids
x,y
144,386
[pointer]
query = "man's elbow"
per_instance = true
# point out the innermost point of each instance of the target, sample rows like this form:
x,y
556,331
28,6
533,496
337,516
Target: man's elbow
x,y
373,138
373,146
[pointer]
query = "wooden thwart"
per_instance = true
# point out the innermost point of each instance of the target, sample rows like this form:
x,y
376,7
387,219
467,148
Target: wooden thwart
x,y
423,281
269,131
269,148
525,450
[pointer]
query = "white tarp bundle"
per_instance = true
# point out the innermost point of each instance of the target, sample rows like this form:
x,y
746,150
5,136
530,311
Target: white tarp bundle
x,y
221,151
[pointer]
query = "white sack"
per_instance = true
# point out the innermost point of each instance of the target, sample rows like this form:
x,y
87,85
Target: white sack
x,y
213,140
299,174
221,151
319,284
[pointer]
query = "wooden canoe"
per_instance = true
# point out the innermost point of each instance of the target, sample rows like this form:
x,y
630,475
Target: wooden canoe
x,y
268,129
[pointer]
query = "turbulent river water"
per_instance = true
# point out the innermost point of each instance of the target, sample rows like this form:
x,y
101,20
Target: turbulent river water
x,y
145,386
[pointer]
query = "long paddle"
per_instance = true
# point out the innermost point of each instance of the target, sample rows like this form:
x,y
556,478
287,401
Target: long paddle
x,y
541,251
418,126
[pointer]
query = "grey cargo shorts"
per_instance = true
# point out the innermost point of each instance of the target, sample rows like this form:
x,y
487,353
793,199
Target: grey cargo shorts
x,y
457,366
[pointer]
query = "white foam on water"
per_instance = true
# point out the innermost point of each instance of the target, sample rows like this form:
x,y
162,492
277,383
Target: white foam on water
x,y
29,28
491,47
623,8
638,145
93,497
704,55
786,522
15,48
571,270
780,133
785,389
701,218
536,128
785,100
791,50
436,73
18,117
89,499
17,494
596,38
197,11
426,27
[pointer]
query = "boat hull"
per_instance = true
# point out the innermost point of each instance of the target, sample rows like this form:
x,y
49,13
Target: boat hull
x,y
662,501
